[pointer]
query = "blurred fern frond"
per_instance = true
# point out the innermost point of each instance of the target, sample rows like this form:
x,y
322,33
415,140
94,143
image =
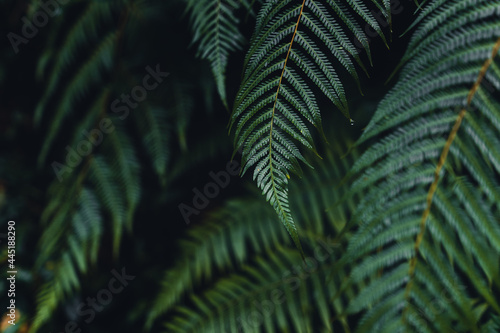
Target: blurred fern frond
x,y
98,179
238,242
428,220
215,30
275,101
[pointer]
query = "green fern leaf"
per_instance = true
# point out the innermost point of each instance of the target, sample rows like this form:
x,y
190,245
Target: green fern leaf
x,y
110,195
429,215
275,102
81,237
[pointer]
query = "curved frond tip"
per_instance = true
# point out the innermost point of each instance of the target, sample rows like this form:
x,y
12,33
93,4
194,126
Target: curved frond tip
x,y
276,101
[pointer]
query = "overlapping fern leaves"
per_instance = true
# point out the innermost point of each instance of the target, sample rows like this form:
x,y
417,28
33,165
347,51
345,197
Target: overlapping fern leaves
x,y
425,253
105,184
80,236
239,255
75,197
276,101
428,237
94,19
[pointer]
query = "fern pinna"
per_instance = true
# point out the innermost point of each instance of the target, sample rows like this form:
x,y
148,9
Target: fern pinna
x,y
275,102
428,238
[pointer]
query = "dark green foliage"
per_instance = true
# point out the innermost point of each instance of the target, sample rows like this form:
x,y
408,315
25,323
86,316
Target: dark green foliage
x,y
275,101
398,231
460,252
215,27
243,253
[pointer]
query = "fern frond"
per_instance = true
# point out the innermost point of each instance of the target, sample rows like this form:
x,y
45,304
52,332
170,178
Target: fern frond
x,y
81,237
110,195
430,181
125,167
275,101
215,27
83,33
112,189
95,21
243,228
115,185
258,296
51,293
152,124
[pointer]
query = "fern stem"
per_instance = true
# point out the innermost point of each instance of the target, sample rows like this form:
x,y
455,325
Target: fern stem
x,y
442,160
296,240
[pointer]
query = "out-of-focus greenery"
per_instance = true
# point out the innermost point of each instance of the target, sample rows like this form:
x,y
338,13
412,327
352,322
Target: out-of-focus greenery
x,y
396,228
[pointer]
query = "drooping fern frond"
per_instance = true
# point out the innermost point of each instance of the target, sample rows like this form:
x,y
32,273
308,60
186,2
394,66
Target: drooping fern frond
x,y
229,239
287,58
106,188
428,232
105,180
215,27
97,62
81,237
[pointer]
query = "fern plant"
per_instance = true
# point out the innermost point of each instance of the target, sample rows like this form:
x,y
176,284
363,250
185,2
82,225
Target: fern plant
x,y
399,232
240,260
428,238
275,100
105,185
